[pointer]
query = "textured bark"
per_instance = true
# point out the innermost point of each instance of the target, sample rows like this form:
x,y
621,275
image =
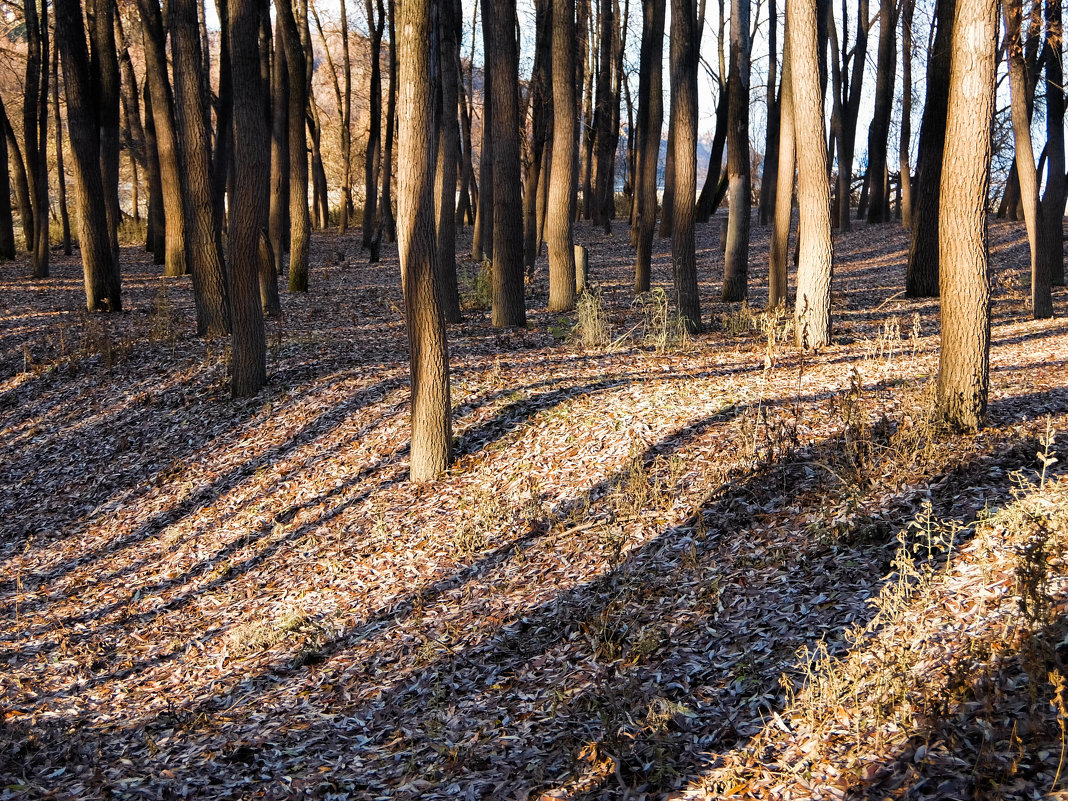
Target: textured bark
x,y
739,191
105,69
650,123
138,138
667,206
560,210
249,217
921,277
22,187
299,216
540,91
431,448
812,306
482,240
1041,300
35,130
61,175
603,118
1052,251
373,152
904,164
203,245
448,148
385,207
156,234
849,100
7,222
162,109
223,154
879,131
770,172
509,305
706,203
784,201
99,266
584,86
684,57
963,366
278,214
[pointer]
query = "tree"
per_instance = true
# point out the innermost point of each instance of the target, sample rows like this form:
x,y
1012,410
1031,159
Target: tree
x,y
35,130
105,71
249,217
904,164
385,210
138,143
784,201
446,103
560,209
1041,300
373,153
7,223
649,125
879,131
509,305
847,84
1054,196
963,366
740,191
299,216
99,265
482,241
812,306
278,214
541,108
431,448
921,276
770,172
604,116
22,188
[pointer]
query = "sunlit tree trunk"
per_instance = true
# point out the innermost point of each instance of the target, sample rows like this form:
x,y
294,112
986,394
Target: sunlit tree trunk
x,y
650,123
736,256
299,216
560,206
684,57
784,192
278,214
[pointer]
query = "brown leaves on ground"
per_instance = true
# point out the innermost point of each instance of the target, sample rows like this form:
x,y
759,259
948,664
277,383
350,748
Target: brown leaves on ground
x,y
218,599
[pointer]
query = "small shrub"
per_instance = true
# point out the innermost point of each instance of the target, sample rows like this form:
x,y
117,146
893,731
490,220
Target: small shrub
x,y
592,326
663,329
476,287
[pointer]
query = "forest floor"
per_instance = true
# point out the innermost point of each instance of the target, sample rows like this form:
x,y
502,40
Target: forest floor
x,y
660,567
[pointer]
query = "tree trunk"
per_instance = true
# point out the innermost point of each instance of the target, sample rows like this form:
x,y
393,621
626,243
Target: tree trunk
x,y
921,277
603,118
560,210
448,146
224,146
61,175
650,123
346,124
736,257
1041,300
667,206
373,154
1054,197
852,82
482,241
769,174
35,130
22,187
431,448
132,114
684,57
963,367
156,235
784,192
878,133
105,66
812,306
299,217
904,163
509,306
278,214
706,203
203,245
7,222
540,91
99,266
249,217
385,210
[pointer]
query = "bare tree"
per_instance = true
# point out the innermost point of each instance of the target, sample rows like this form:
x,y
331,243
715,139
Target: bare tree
x,y
373,153
650,123
879,131
740,191
299,216
35,129
560,210
446,102
7,223
784,201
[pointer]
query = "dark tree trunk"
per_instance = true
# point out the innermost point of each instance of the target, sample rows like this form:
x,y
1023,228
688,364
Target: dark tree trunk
x,y
921,279
706,203
482,241
667,208
769,174
61,175
156,236
7,222
852,82
540,91
278,215
299,216
509,305
1053,199
650,124
736,257
131,106
448,146
105,66
385,211
99,265
247,220
879,132
224,146
904,163
685,52
560,211
35,130
373,153
604,115
431,448
780,235
22,186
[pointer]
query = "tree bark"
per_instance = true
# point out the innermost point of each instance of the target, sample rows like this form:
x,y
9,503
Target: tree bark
x,y
879,131
278,215
904,163
706,203
509,306
921,277
373,153
784,200
448,148
105,66
99,265
22,186
385,207
812,306
769,174
7,222
852,83
224,146
560,209
1054,197
650,123
963,366
35,130
156,234
431,448
299,216
740,192
540,92
604,116
684,57
145,152
249,217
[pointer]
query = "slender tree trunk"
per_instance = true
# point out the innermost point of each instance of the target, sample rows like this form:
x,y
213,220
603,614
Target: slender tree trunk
x,y
22,187
904,163
204,248
249,217
482,242
851,93
706,203
560,209
667,206
278,214
373,154
509,306
921,278
1054,197
784,192
540,89
299,217
650,123
448,147
736,257
878,133
431,448
61,174
684,57
812,306
99,266
769,175
603,117
963,367
385,211
224,146
468,188
35,130
105,65
346,124
7,222
156,235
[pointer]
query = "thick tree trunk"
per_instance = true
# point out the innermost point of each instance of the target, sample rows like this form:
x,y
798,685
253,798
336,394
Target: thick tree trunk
x,y
812,306
509,305
740,191
204,248
1053,199
878,133
299,216
448,146
560,211
105,66
650,123
1041,300
684,58
431,448
963,367
249,217
784,200
921,278
99,266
